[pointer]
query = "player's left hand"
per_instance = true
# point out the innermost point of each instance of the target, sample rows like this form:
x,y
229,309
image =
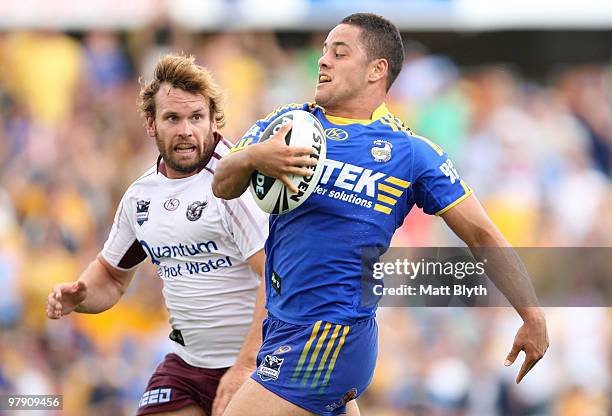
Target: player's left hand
x,y
532,337
229,385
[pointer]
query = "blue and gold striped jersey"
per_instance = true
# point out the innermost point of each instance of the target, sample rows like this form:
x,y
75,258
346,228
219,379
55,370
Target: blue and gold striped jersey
x,y
376,171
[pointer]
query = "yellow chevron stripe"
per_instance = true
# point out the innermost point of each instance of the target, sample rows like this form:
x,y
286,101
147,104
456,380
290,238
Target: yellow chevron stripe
x,y
315,353
305,351
386,199
398,123
399,182
332,363
402,126
328,348
388,123
389,190
382,208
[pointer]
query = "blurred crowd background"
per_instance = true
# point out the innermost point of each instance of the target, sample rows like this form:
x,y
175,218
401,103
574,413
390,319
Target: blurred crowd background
x,y
537,150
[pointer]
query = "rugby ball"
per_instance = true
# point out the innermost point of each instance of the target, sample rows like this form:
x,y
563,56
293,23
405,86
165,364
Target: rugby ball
x,y
271,194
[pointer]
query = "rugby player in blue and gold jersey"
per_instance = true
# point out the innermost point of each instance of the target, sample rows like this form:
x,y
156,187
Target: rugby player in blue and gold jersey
x,y
320,342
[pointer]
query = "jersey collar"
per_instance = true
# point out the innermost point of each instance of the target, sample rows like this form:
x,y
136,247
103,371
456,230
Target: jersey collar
x,y
380,112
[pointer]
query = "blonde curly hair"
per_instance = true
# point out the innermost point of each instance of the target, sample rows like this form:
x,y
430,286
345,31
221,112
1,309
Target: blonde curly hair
x,y
181,71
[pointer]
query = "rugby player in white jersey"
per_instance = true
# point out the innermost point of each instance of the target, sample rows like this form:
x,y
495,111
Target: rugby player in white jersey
x,y
208,251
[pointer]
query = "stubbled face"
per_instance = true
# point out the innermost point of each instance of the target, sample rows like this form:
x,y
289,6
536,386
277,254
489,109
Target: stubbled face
x,y
342,68
183,130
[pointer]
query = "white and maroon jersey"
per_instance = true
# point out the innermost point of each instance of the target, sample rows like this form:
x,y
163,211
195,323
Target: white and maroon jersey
x,y
200,245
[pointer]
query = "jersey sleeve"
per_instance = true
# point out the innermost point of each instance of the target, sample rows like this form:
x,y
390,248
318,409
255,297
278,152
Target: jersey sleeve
x,y
253,134
437,185
122,249
247,224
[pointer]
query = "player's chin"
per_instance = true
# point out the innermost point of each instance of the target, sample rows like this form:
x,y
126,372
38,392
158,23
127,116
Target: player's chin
x,y
186,163
322,98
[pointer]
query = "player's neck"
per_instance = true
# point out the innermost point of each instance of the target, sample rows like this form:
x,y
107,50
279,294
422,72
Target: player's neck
x,y
170,173
175,174
352,113
360,108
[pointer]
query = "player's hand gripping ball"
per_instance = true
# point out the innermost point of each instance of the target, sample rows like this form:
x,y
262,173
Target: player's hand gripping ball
x,y
271,194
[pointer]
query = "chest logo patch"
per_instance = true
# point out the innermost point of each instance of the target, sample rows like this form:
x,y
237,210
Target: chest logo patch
x,y
171,204
381,150
142,211
336,134
195,209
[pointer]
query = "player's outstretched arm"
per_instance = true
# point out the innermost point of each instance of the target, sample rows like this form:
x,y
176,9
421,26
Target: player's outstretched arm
x,y
246,361
98,288
272,158
471,223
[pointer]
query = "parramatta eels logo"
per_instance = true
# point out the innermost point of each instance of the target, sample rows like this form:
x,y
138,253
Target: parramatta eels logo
x,y
142,211
194,210
336,134
381,150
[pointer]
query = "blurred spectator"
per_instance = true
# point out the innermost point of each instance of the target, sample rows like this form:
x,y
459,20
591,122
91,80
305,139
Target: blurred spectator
x,y
48,82
107,65
584,90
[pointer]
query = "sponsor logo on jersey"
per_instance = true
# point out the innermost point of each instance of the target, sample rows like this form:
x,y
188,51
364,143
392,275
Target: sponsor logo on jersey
x,y
195,209
171,204
181,250
282,350
142,211
347,397
269,369
336,134
156,396
381,150
361,186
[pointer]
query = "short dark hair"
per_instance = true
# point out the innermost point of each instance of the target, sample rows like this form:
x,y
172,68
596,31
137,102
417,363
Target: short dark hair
x,y
381,39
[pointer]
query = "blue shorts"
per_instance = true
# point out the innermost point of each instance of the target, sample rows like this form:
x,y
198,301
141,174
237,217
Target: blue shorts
x,y
319,367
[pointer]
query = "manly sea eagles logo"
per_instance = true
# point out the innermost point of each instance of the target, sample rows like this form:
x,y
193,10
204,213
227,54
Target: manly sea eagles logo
x,y
194,210
269,369
142,211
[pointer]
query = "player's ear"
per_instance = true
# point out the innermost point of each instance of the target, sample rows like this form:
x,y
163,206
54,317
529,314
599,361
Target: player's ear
x,y
378,69
150,126
212,114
